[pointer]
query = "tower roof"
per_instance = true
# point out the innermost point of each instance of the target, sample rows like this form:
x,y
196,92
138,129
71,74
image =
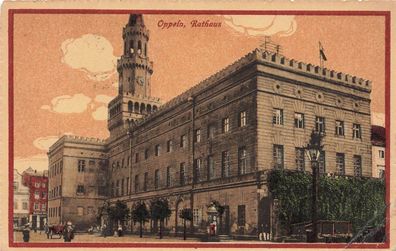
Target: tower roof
x,y
136,19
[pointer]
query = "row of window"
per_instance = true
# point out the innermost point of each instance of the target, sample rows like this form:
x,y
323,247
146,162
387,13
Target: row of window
x,y
37,206
55,192
54,211
38,184
25,205
37,195
320,125
242,118
278,160
120,187
56,169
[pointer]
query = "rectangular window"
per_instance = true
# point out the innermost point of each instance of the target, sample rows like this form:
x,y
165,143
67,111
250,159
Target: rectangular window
x,y
211,131
322,162
90,210
168,176
299,120
241,215
36,184
146,154
225,125
357,131
211,168
183,141
242,160
169,146
339,128
182,173
43,207
156,179
225,164
80,211
381,154
357,165
381,172
15,186
81,166
242,119
112,189
24,205
136,183
197,216
278,156
145,181
36,206
340,163
320,124
80,189
37,195
300,159
197,136
136,157
277,117
122,187
197,169
118,188
127,185
157,150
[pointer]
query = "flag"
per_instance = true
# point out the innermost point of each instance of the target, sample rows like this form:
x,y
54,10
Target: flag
x,y
321,51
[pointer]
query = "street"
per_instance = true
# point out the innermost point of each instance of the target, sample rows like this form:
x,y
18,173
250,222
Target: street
x,y
85,237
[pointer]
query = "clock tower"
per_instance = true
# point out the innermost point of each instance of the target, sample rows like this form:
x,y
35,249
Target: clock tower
x,y
135,69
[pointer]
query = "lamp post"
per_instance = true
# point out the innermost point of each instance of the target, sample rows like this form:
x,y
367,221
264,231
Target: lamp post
x,y
313,150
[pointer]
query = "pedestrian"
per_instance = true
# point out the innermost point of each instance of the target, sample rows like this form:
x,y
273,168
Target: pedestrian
x,y
46,230
261,232
103,229
26,233
266,231
119,230
68,233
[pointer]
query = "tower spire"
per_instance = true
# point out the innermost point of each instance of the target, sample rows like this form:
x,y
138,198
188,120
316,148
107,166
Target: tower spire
x,y
136,19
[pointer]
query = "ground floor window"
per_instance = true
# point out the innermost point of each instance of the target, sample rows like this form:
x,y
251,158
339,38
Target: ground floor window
x,y
241,215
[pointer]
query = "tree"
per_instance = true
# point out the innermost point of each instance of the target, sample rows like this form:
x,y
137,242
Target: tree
x,y
159,211
140,214
119,212
187,215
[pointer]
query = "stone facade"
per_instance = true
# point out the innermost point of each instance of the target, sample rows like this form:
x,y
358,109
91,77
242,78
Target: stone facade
x,y
216,141
378,141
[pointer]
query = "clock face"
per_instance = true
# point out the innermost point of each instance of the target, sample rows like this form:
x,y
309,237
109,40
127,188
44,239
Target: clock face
x,y
140,80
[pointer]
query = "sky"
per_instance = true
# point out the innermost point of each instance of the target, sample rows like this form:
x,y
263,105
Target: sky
x,y
65,65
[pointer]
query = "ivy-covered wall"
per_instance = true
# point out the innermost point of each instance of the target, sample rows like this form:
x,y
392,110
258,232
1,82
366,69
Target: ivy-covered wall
x,y
356,199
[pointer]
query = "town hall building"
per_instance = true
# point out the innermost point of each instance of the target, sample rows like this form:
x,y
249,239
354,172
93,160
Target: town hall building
x,y
215,142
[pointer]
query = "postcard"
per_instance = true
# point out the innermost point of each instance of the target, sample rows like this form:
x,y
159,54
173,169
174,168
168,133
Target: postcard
x,y
207,125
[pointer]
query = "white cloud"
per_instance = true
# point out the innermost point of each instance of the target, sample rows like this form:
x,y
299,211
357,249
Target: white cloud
x,y
68,104
103,98
92,54
43,143
38,162
263,25
100,113
378,119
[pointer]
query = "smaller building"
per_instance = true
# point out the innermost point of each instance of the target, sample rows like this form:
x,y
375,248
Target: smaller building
x,y
37,182
21,201
378,141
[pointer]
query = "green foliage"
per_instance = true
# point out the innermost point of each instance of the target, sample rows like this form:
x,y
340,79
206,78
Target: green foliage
x,y
356,199
140,213
186,214
160,209
119,212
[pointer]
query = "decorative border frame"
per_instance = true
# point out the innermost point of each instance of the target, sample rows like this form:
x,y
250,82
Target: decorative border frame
x,y
11,14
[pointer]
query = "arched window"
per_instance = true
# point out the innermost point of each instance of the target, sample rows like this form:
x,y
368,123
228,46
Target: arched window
x,y
148,108
142,108
136,110
145,49
131,47
130,106
139,50
154,108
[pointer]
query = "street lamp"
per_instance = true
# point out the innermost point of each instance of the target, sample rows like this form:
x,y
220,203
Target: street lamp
x,y
313,150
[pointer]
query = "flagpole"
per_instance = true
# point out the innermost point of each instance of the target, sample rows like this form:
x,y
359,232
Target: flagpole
x,y
320,57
